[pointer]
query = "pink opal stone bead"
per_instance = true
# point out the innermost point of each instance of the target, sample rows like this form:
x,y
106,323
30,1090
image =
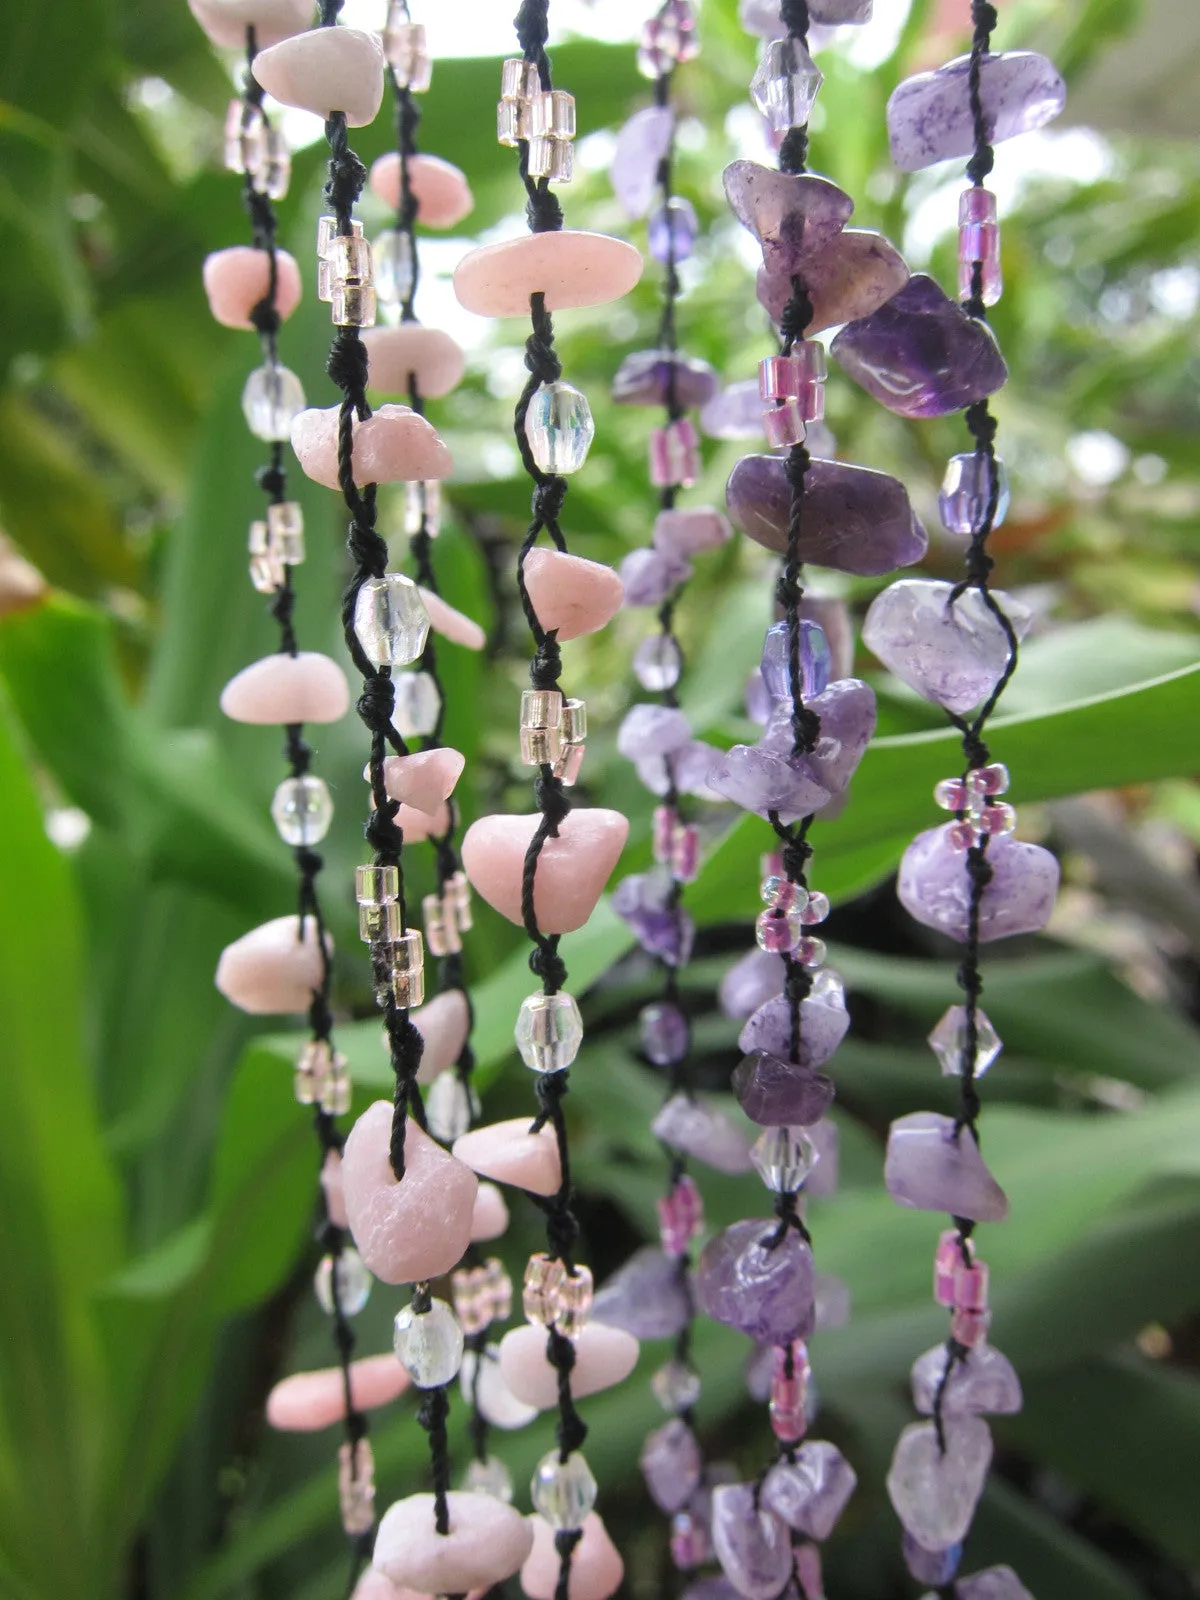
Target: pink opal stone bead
x,y
488,1542
425,778
604,1357
443,1024
508,1152
441,190
596,1565
333,1190
283,689
272,969
571,596
397,355
572,869
571,268
308,1401
225,21
418,1227
453,625
235,280
393,445
326,70
490,1218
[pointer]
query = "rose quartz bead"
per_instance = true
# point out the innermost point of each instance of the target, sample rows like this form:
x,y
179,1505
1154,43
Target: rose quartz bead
x,y
604,1357
443,1024
572,869
331,1185
396,355
271,969
419,1227
394,445
225,21
424,779
326,70
283,689
376,1585
488,1541
417,826
311,1400
451,624
507,1152
570,594
235,280
569,267
442,192
596,1565
490,1220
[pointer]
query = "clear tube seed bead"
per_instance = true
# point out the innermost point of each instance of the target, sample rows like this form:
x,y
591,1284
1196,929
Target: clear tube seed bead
x,y
354,305
408,969
373,885
353,1282
539,1293
428,1344
407,52
395,267
276,171
575,1295
564,1492
549,1032
380,924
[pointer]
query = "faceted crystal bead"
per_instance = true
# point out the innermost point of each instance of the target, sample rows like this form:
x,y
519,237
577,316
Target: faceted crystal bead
x,y
559,428
489,1476
353,1283
302,810
356,1486
390,620
816,661
784,88
394,267
428,1344
271,401
563,1492
658,662
549,1032
676,1387
672,230
783,1158
965,493
948,1042
417,704
449,1107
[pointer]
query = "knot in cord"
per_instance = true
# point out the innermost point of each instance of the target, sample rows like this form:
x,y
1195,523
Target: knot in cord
x,y
548,498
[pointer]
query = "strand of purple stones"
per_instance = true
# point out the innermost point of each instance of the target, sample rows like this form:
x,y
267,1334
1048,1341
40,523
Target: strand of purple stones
x,y
970,878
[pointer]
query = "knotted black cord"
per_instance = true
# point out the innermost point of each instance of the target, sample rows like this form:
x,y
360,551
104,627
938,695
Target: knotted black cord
x,y
272,480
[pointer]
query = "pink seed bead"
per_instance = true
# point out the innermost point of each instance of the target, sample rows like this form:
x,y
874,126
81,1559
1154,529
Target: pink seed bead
x,y
811,401
788,377
976,205
951,794
784,425
971,1287
947,1262
665,820
798,1351
690,1203
787,1425
810,952
816,910
961,835
689,1542
787,1394
685,855
780,893
770,865
992,779
970,1328
998,819
675,455
776,933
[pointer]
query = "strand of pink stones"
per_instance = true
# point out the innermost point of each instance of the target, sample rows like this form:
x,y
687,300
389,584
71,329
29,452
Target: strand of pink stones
x,y
285,965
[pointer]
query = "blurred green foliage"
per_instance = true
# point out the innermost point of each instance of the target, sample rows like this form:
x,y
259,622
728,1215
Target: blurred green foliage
x,y
157,1176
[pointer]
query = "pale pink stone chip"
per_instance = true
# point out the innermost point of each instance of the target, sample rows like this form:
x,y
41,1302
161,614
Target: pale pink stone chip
x,y
443,1024
418,826
418,1227
451,624
491,1215
571,871
310,1400
283,689
604,1357
425,778
272,969
235,280
397,355
225,21
596,1565
442,192
569,267
571,595
331,1185
376,1585
393,445
326,70
507,1152
488,1541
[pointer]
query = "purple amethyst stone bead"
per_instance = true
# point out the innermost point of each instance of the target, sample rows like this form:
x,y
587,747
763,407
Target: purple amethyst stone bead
x,y
983,1383
921,355
934,888
929,116
641,145
644,379
672,230
933,1165
648,1296
764,780
649,576
931,1566
993,1583
852,277
753,1545
775,1093
664,1034
847,716
756,978
793,216
643,902
734,413
935,1492
823,1025
811,1492
671,1465
761,17
652,730
696,1130
762,1291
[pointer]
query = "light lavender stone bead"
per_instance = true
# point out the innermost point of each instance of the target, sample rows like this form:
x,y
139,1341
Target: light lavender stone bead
x,y
754,1547
935,1494
641,145
671,1465
751,982
823,1025
985,1383
704,1134
934,888
810,1493
761,17
993,1583
652,730
791,215
648,576
734,412
760,779
929,116
765,1292
647,1296
847,714
931,1166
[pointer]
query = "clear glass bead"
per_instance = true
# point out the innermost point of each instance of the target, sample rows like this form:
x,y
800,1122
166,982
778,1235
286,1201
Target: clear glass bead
x,y
245,138
407,52
783,1158
539,1293
563,1492
390,620
575,1295
828,987
285,531
549,1032
314,1066
489,1476
266,573
658,662
353,1283
271,401
948,1041
784,88
375,886
417,705
966,490
394,267
428,1344
559,428
676,1387
302,810
275,173
354,305
449,1106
